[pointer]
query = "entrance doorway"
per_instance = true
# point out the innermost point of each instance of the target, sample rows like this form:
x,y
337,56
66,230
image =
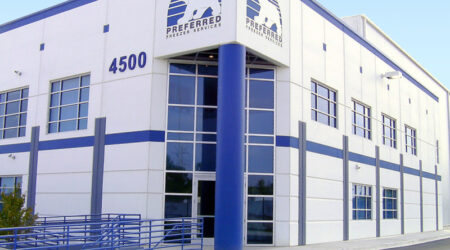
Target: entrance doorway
x,y
204,203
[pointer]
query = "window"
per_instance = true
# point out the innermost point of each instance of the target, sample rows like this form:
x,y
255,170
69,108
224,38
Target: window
x,y
362,202
191,134
410,140
323,105
389,132
260,155
69,100
13,113
191,142
389,203
361,120
7,185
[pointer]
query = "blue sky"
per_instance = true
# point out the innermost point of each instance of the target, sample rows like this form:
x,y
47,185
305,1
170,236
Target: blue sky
x,y
420,27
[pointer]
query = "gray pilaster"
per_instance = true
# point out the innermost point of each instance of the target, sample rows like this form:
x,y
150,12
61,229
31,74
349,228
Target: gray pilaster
x,y
402,193
302,184
421,196
345,188
32,170
436,196
377,162
98,166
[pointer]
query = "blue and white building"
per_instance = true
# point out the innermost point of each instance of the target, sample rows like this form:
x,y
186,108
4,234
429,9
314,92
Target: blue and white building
x,y
278,122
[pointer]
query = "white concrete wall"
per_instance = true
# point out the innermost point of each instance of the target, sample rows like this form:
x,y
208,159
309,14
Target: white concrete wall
x,y
136,100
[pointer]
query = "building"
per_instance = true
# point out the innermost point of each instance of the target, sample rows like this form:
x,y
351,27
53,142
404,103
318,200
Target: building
x,y
131,106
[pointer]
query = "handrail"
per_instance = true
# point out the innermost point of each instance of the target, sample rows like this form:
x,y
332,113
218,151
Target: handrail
x,y
118,232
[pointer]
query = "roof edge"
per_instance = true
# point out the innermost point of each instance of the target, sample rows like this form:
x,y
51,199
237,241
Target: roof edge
x,y
397,46
42,14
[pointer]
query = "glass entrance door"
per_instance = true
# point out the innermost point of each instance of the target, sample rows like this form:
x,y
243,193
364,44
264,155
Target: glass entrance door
x,y
204,204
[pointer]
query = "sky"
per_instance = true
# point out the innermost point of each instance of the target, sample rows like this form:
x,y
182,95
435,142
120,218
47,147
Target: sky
x,y
420,27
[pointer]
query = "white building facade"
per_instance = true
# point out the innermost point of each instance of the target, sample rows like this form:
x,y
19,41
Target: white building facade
x,y
127,107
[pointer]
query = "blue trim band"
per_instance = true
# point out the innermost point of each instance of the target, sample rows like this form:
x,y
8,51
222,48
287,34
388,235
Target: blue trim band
x,y
15,148
340,25
323,149
55,10
287,141
79,142
362,159
134,137
159,136
390,166
411,171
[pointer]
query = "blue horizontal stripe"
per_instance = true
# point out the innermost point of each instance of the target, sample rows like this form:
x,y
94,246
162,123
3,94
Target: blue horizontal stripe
x,y
428,175
79,142
323,149
15,148
134,137
361,159
287,141
55,10
340,25
159,136
411,171
390,166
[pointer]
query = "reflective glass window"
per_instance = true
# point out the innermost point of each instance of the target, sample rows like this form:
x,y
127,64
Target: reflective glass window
x,y
69,101
13,113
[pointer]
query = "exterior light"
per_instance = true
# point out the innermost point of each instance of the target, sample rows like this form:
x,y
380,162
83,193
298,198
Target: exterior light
x,y
17,72
393,75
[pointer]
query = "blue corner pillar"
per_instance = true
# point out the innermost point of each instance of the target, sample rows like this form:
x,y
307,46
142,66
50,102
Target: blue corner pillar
x,y
229,209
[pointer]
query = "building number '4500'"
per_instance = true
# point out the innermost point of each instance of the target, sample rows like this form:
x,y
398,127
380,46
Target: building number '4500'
x,y
128,62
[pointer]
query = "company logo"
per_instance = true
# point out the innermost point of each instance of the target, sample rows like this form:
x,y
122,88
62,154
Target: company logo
x,y
188,16
264,19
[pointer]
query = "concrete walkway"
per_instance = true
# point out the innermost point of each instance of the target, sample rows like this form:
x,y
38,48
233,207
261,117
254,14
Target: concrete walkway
x,y
372,243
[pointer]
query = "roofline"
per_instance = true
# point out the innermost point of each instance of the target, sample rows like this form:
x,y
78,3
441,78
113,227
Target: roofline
x,y
42,14
72,4
340,24
403,51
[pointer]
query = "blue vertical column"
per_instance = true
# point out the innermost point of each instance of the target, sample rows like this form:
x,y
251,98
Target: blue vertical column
x,y
229,215
32,172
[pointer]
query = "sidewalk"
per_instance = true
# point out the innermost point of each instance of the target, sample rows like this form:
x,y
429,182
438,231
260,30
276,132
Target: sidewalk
x,y
372,243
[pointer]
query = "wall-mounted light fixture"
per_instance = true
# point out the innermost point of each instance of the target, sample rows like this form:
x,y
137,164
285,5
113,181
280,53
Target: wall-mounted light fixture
x,y
357,167
17,72
12,156
393,75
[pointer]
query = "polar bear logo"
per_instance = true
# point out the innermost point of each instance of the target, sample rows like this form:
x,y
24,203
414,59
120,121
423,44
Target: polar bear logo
x,y
196,8
269,15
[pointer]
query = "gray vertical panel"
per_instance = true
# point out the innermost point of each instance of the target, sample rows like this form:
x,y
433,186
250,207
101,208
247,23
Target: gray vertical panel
x,y
377,155
402,192
98,166
302,184
437,196
421,197
32,170
345,188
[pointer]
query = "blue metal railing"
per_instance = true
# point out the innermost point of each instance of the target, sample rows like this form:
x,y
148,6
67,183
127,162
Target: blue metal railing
x,y
120,232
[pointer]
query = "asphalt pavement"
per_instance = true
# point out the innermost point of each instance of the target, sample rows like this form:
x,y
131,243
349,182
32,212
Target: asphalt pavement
x,y
433,245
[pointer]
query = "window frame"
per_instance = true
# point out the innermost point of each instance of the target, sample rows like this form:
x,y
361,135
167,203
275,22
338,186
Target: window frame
x,y
412,149
367,109
393,131
356,209
395,199
59,106
16,177
251,139
329,101
20,113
